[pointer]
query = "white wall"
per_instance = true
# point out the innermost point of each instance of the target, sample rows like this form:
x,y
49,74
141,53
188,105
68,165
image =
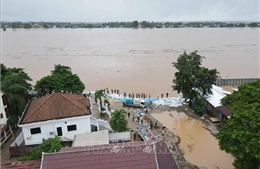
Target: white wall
x,y
3,120
82,123
120,136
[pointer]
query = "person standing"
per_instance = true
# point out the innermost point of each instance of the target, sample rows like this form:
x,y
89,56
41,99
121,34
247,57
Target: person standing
x,y
167,94
151,125
162,132
128,114
155,124
134,136
138,119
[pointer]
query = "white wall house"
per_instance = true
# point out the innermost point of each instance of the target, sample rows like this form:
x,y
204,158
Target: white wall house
x,y
66,128
3,113
61,114
5,129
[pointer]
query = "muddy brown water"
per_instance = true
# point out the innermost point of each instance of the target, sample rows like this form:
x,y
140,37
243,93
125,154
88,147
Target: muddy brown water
x,y
131,60
200,147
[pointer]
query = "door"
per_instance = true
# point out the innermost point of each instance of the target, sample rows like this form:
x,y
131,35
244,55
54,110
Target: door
x,y
59,131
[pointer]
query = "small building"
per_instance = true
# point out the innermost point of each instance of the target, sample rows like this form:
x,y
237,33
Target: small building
x,y
4,114
61,114
145,155
214,105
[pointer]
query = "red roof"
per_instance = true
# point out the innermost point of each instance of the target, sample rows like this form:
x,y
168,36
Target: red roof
x,y
144,155
35,164
56,106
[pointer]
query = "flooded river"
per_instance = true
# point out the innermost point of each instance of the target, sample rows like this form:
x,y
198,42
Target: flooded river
x,y
200,147
131,60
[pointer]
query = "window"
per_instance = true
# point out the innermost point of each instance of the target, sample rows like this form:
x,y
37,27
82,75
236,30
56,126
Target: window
x,y
72,127
35,130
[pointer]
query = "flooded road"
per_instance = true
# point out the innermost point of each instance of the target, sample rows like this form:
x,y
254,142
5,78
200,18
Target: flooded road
x,y
200,147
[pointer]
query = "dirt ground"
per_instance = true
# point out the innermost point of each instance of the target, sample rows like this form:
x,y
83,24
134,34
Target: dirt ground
x,y
170,138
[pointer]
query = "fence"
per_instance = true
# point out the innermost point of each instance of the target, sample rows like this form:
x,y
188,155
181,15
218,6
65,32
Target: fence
x,y
5,133
234,82
16,151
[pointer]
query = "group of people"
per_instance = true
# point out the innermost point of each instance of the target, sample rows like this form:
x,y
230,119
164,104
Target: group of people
x,y
134,95
139,120
167,95
113,91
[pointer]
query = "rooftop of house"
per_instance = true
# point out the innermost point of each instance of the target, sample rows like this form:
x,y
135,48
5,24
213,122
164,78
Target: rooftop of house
x,y
217,94
225,111
93,138
56,106
145,155
34,164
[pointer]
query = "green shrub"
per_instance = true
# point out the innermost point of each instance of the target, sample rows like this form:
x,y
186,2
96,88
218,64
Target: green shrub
x,y
48,146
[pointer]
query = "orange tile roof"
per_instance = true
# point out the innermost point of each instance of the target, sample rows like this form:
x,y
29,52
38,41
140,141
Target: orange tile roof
x,y
56,106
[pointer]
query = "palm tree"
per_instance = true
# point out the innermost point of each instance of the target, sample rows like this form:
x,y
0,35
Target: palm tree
x,y
118,121
98,96
14,84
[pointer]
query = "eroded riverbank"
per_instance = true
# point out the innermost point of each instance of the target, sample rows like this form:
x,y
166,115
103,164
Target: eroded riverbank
x,y
197,144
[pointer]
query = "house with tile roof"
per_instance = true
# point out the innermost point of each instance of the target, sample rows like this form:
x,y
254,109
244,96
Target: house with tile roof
x,y
61,114
128,155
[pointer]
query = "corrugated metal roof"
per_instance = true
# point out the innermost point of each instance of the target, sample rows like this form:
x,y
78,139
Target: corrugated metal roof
x,y
217,94
90,139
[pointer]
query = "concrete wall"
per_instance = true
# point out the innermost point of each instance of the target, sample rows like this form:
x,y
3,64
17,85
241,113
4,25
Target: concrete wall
x,y
49,129
114,137
234,82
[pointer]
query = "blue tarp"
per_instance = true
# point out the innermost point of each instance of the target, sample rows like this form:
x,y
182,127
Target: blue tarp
x,y
130,100
147,100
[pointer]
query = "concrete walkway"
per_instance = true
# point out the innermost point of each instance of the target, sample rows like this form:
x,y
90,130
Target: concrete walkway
x,y
118,105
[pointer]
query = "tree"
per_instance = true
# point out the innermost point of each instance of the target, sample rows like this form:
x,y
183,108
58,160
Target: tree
x,y
61,79
118,121
14,83
199,106
98,95
135,24
48,146
192,77
27,25
4,71
240,135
